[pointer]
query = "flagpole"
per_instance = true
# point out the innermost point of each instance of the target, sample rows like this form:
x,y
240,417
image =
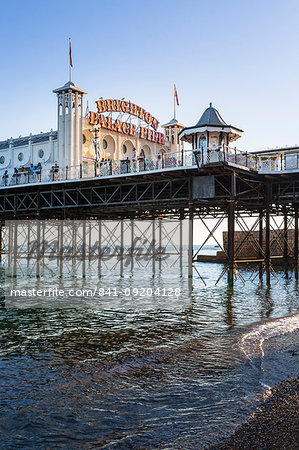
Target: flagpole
x,y
70,58
174,106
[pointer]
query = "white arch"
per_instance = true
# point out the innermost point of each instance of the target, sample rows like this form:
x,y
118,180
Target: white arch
x,y
87,144
108,152
146,150
129,147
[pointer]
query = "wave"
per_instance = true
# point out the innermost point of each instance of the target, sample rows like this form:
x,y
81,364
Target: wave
x,y
252,342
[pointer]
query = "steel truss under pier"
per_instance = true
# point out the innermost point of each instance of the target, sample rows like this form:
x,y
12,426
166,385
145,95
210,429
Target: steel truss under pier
x,y
229,194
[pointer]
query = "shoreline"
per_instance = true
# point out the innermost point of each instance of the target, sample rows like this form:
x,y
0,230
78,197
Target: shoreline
x,y
274,425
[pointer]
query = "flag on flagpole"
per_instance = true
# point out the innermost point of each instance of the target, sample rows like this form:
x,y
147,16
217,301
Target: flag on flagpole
x,y
176,95
71,61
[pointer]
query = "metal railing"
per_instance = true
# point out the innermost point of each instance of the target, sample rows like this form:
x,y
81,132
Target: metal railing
x,y
227,154
279,162
188,158
102,168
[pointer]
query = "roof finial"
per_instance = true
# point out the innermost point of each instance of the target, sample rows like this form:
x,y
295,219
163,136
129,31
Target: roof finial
x,y
210,104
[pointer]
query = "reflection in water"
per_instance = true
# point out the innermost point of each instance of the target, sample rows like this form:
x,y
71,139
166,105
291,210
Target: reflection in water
x,y
139,371
267,304
229,313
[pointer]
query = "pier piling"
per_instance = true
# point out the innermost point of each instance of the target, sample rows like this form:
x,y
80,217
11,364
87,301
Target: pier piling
x,y
296,241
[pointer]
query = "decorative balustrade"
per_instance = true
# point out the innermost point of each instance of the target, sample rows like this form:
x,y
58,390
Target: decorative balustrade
x,y
161,162
189,158
227,154
268,163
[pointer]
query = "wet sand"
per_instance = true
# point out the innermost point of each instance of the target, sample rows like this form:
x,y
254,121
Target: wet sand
x,y
274,426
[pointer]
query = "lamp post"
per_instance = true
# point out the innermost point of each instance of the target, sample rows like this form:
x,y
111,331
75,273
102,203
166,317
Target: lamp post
x,y
95,131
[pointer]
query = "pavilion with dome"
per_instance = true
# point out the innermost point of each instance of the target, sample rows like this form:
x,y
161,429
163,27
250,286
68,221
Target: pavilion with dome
x,y
211,131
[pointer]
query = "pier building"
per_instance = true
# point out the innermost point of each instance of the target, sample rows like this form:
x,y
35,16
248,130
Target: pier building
x,y
117,130
115,163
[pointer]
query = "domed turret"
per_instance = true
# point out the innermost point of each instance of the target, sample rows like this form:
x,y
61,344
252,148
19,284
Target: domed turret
x,y
172,131
211,117
210,131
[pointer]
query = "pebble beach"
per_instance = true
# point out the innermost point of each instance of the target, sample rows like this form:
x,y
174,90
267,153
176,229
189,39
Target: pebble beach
x,y
275,425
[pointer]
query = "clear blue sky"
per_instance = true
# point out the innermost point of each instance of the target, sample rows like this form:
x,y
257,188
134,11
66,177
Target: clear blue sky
x,y
241,55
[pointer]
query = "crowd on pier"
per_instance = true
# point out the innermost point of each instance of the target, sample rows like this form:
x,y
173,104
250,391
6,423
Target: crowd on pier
x,y
29,174
101,167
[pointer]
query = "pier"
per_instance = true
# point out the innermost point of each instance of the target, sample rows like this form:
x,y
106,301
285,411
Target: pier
x,y
102,168
224,184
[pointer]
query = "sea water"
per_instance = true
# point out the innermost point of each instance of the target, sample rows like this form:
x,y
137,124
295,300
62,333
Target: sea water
x,y
135,371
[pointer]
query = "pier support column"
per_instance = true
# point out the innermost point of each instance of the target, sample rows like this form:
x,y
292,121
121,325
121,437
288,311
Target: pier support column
x,y
100,249
84,248
15,248
231,231
38,249
154,245
190,246
10,249
132,245
74,246
181,245
285,234
231,242
121,247
268,241
1,241
296,242
43,248
261,243
89,243
61,240
28,244
160,245
285,241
